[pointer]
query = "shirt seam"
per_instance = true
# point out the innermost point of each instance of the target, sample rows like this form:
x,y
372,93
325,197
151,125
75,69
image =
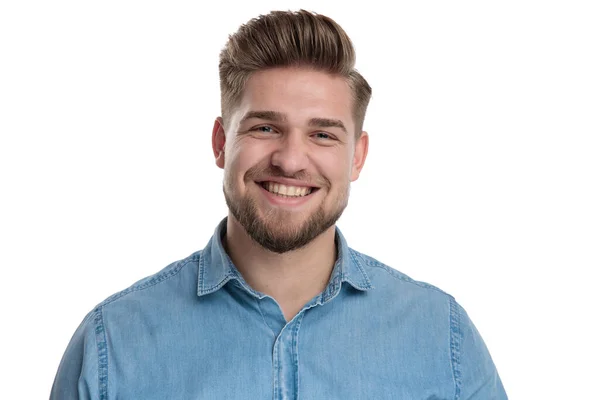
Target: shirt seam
x,y
455,341
403,278
100,326
276,368
296,353
102,355
154,280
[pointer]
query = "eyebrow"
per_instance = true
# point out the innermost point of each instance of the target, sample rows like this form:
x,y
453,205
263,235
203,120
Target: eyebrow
x,y
327,123
266,115
280,117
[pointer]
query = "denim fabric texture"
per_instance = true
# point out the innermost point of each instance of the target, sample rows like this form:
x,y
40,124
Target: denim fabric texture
x,y
196,330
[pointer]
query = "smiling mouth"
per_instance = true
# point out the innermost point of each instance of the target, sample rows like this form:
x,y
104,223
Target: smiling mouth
x,y
287,190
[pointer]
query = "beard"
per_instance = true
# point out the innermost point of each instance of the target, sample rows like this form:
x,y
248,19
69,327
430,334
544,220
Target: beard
x,y
274,231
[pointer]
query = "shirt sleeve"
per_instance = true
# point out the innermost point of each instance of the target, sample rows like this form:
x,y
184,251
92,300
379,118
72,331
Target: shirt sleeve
x,y
475,374
77,377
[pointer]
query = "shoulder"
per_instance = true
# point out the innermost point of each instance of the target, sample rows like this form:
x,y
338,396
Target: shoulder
x,y
146,303
85,363
436,311
384,275
161,282
401,292
423,297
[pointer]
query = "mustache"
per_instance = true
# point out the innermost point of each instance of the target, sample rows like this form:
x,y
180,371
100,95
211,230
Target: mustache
x,y
260,172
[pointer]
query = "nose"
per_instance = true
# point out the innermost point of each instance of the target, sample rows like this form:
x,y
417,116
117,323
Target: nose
x,y
291,155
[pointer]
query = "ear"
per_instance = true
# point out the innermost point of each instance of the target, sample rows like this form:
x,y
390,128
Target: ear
x,y
361,149
218,142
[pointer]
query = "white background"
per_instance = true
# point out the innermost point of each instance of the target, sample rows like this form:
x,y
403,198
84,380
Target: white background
x,y
482,177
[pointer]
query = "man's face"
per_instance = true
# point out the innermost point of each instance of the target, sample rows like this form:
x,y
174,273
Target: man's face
x,y
290,154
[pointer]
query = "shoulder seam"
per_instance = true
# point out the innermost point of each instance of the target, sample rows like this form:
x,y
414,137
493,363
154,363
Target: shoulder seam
x,y
99,326
398,275
455,341
177,267
102,354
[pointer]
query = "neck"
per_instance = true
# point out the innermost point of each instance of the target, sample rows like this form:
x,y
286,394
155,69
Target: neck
x,y
291,278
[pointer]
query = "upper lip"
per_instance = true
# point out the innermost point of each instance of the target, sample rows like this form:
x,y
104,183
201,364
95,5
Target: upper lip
x,y
287,182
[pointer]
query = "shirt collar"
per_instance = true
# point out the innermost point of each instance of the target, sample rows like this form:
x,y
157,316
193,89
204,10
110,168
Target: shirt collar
x,y
216,268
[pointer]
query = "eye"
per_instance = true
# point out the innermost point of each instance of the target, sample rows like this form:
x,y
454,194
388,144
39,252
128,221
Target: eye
x,y
264,129
324,136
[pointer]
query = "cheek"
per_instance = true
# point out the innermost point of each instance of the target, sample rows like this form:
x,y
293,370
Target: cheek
x,y
241,157
335,166
233,167
235,156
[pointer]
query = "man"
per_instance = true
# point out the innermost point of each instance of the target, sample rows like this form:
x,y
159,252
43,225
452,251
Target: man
x,y
277,305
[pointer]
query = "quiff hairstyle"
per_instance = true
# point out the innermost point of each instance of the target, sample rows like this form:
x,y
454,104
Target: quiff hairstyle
x,y
289,39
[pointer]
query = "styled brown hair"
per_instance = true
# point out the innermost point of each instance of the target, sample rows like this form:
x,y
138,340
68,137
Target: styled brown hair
x,y
289,39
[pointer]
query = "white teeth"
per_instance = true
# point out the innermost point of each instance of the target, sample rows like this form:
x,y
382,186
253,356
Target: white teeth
x,y
283,190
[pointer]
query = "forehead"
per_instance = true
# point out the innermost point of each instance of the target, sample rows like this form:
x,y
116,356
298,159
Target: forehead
x,y
299,93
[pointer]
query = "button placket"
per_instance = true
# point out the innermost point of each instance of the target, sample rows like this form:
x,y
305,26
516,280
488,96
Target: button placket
x,y
285,361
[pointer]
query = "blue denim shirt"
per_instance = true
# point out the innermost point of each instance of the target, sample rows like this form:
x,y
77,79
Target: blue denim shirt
x,y
196,330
